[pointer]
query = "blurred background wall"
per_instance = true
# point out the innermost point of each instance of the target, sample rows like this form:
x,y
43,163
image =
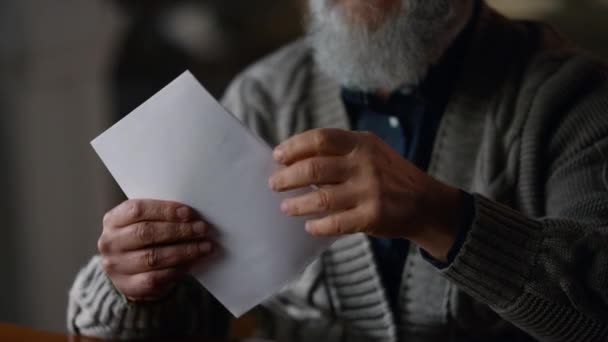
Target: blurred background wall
x,y
53,99
583,21
69,68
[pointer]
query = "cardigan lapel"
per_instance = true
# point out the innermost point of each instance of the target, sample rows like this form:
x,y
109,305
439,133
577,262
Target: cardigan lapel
x,y
458,157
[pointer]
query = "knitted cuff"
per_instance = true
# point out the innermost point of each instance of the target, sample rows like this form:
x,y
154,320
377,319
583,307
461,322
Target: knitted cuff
x,y
498,254
97,309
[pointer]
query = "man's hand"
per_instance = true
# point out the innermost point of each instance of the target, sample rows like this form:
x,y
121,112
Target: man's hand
x,y
147,246
365,186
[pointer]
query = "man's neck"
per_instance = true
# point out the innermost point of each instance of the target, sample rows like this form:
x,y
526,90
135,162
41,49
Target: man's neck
x,y
463,13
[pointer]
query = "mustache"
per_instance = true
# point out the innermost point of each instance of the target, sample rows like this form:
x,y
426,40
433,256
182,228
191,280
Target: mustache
x,y
420,11
371,10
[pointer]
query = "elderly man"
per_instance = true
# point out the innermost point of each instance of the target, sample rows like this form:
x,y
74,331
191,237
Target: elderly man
x,y
463,157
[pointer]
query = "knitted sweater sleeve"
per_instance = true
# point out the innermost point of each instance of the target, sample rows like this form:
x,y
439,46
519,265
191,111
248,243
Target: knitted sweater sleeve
x,y
97,309
549,274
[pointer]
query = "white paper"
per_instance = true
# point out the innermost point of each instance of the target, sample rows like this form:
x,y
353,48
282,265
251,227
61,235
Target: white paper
x,y
181,145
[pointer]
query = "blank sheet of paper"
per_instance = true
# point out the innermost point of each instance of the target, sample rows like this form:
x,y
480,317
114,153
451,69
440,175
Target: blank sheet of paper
x,y
181,145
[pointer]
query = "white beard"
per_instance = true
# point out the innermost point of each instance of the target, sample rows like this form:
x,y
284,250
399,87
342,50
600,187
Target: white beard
x,y
396,54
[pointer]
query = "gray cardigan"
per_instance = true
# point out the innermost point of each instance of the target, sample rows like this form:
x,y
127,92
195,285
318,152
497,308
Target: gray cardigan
x,y
526,131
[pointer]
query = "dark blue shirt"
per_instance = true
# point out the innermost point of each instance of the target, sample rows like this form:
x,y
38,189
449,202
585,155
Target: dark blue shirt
x,y
405,124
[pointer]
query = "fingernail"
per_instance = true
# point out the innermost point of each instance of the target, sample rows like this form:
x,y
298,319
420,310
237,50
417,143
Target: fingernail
x,y
284,207
308,227
205,247
200,228
271,184
278,154
183,213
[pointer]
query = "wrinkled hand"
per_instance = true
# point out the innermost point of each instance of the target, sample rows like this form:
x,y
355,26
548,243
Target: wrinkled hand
x,y
147,246
364,187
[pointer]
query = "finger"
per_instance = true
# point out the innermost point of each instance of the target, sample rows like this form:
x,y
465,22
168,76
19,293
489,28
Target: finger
x,y
312,171
157,258
322,201
318,142
342,223
133,211
150,285
145,234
